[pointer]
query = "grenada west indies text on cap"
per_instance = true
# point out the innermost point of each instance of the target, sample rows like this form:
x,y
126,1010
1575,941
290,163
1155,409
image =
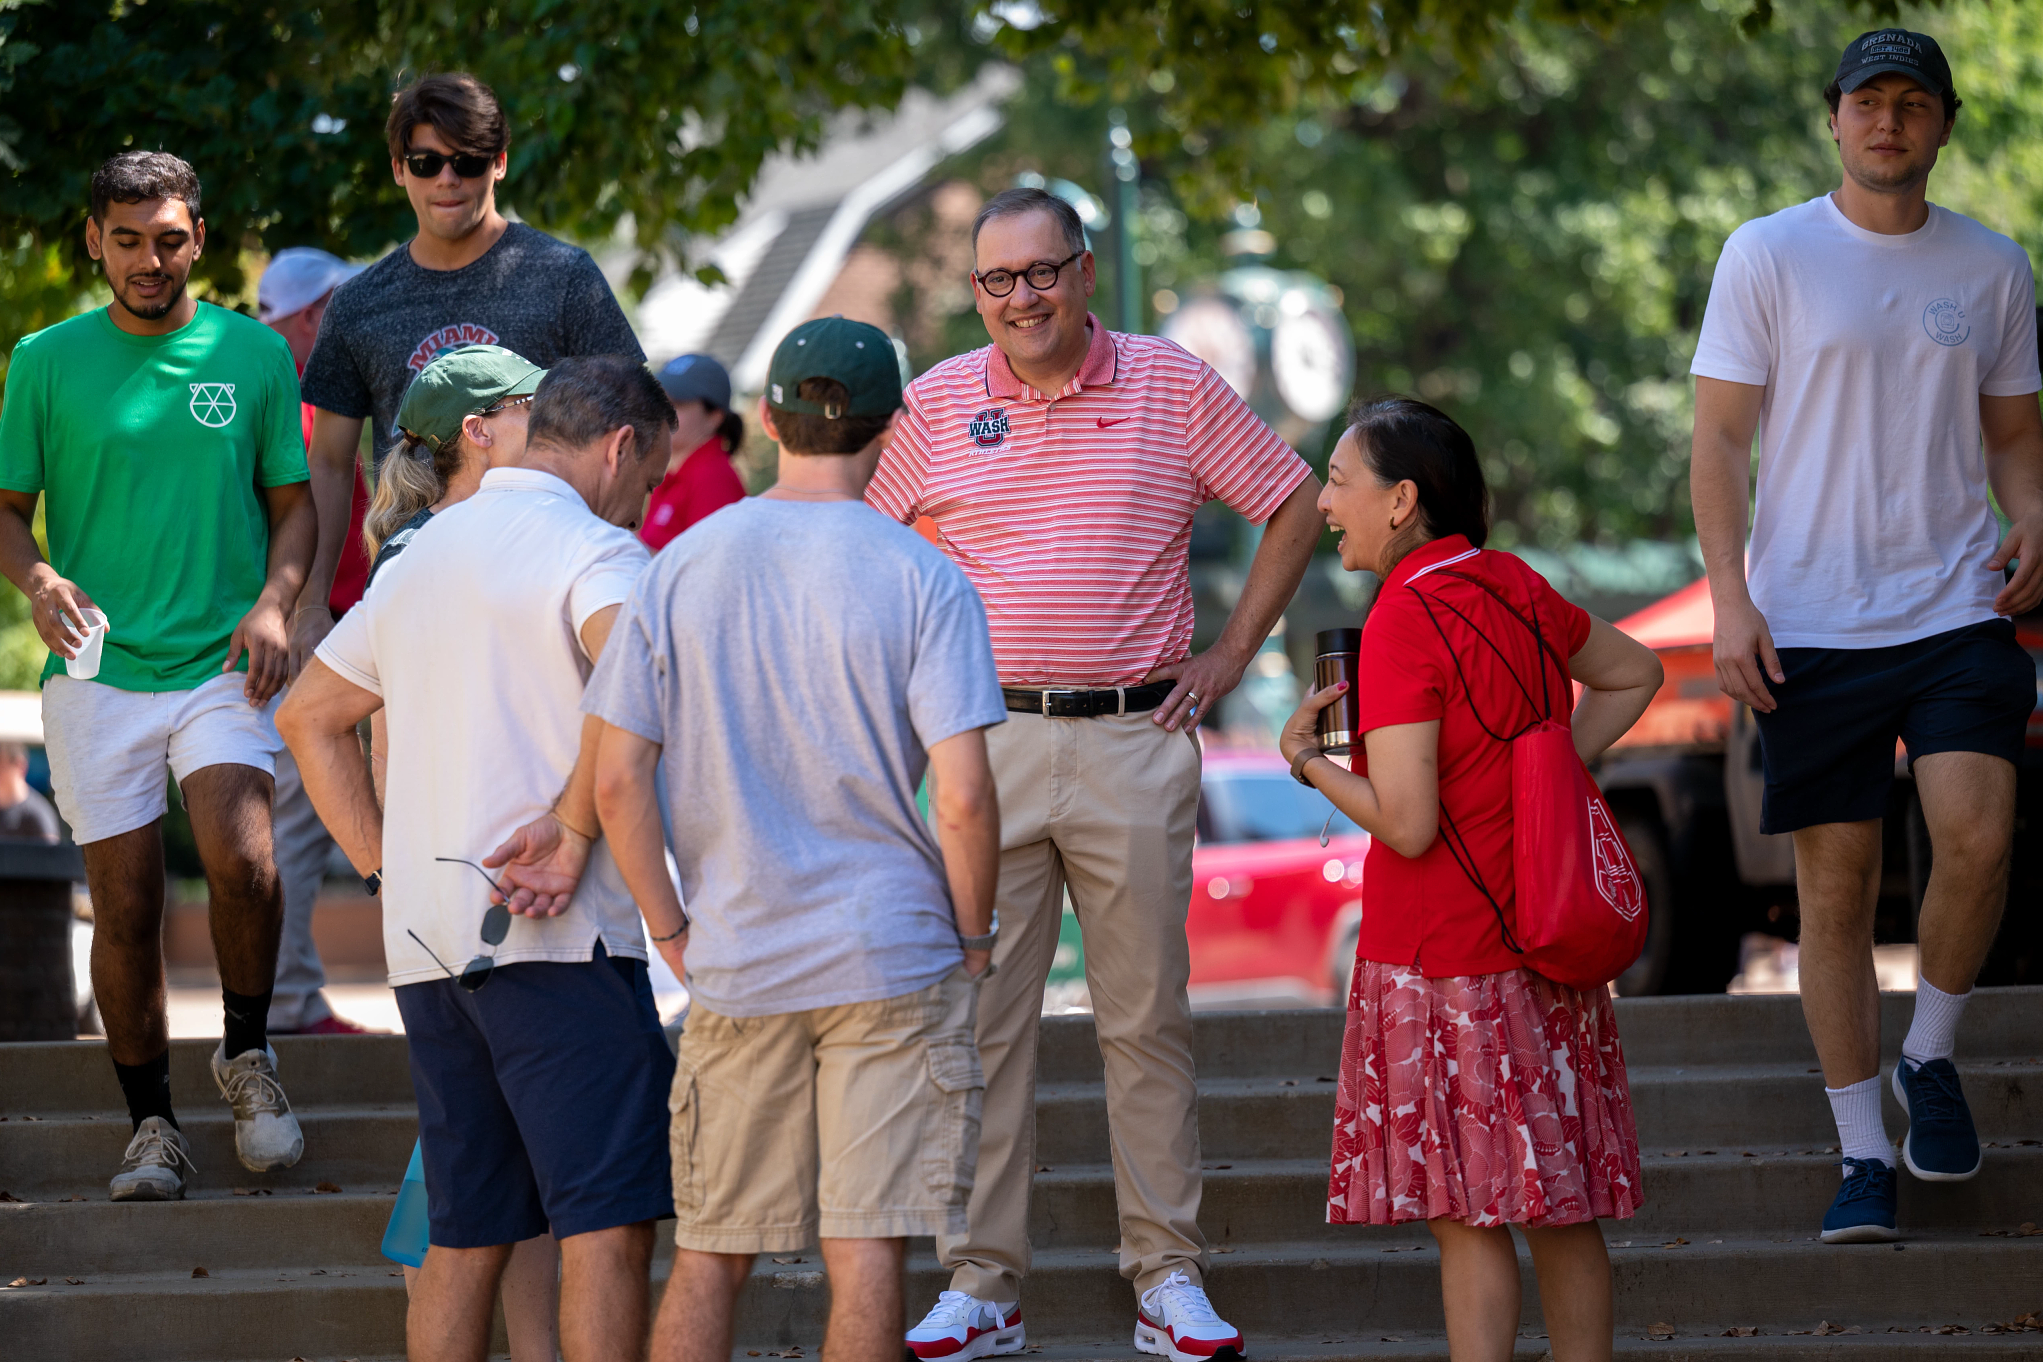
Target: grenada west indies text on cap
x,y
465,381
1894,49
856,354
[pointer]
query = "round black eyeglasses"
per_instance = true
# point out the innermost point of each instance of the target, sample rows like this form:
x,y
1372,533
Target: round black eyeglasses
x,y
1042,276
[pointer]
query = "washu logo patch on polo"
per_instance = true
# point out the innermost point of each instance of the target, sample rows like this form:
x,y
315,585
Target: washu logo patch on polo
x,y
213,404
1945,322
989,427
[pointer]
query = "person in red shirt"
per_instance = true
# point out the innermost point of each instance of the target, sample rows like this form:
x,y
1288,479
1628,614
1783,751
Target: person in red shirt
x,y
1474,1094
701,479
291,299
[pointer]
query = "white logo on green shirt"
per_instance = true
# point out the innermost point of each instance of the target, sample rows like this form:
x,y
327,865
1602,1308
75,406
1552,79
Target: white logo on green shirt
x,y
213,403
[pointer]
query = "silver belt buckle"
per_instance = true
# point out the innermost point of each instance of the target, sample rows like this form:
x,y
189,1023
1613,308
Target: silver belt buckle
x,y
1121,697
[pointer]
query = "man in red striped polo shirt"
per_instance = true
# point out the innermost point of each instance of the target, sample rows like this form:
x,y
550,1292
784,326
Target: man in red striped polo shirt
x,y
1062,465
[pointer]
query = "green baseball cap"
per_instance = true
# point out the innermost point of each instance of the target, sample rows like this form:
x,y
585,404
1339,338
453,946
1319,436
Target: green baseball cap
x,y
463,382
856,354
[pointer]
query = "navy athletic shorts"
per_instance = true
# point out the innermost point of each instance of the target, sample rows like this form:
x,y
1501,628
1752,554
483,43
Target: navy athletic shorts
x,y
1828,748
542,1100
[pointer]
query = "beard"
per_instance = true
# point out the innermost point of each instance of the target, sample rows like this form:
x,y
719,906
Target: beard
x,y
1887,178
153,311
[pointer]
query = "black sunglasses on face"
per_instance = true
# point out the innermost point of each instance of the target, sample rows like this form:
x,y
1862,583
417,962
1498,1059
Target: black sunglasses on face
x,y
426,164
1042,276
496,925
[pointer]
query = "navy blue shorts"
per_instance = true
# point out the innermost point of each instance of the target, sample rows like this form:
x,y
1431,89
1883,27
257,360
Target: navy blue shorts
x,y
1828,748
542,1101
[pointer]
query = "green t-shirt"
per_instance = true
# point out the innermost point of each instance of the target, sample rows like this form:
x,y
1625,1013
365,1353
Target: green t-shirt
x,y
151,453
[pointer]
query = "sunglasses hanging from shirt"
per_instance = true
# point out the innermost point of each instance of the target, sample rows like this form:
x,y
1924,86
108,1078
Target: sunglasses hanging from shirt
x,y
496,925
426,165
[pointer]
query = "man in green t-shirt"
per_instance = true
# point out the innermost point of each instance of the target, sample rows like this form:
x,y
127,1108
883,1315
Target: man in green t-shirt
x,y
162,436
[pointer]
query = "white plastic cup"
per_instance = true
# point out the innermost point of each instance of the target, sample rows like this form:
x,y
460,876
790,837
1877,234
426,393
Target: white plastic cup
x,y
85,665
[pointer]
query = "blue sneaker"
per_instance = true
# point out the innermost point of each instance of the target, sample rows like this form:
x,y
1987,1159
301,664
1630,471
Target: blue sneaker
x,y
1941,1145
1864,1210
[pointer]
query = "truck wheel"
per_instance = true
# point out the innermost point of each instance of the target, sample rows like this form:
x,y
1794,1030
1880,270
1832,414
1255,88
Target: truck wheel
x,y
1648,974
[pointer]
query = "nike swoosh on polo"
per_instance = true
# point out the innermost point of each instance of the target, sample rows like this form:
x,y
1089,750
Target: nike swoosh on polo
x,y
1115,421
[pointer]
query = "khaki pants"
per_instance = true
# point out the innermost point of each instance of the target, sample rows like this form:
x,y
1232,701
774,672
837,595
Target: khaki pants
x,y
1106,806
859,1121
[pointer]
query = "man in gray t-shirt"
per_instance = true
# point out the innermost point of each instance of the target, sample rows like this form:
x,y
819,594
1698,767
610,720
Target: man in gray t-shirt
x,y
792,665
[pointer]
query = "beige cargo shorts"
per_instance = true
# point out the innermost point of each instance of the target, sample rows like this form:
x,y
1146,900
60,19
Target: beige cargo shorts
x,y
852,1122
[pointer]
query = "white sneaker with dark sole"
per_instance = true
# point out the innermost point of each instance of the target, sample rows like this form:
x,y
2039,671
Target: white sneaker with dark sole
x,y
150,1170
961,1327
266,1134
1175,1320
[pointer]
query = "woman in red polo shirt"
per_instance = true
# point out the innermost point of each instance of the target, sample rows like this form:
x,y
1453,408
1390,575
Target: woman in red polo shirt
x,y
1474,1094
699,478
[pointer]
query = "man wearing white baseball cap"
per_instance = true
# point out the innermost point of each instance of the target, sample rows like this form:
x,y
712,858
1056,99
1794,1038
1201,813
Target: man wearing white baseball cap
x,y
291,300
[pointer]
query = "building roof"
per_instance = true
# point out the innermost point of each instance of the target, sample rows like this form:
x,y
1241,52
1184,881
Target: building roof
x,y
801,221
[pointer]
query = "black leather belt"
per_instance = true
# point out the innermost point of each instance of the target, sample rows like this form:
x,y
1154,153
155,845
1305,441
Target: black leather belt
x,y
1086,704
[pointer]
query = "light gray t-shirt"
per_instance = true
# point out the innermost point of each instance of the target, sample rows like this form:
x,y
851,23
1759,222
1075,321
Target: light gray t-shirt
x,y
796,662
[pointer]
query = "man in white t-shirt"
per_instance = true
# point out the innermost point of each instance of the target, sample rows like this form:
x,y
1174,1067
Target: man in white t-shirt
x,y
794,664
541,1070
1876,342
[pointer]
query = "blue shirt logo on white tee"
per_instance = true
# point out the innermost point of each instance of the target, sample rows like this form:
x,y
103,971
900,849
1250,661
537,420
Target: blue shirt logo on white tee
x,y
1945,322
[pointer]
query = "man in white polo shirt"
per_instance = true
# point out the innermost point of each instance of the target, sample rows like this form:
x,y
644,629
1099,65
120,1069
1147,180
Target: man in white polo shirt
x,y
536,1052
1062,465
1885,350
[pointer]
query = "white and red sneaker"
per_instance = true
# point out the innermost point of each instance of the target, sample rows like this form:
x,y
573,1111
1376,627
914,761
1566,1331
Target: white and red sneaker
x,y
962,1327
1177,1321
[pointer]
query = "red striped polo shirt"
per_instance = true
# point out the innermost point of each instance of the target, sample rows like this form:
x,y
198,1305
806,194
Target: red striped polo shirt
x,y
1071,512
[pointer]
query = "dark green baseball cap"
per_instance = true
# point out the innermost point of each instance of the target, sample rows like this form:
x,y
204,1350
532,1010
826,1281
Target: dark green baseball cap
x,y
459,383
856,354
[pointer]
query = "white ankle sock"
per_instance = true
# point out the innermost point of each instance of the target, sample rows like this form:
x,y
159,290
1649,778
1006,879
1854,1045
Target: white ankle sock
x,y
1861,1134
1934,1032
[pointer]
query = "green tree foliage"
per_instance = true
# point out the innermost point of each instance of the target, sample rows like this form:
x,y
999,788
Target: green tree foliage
x,y
656,113
1530,244
1220,69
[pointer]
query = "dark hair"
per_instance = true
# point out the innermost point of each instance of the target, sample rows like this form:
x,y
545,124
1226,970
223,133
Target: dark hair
x,y
137,176
585,397
459,107
1833,94
731,430
804,433
1014,203
1402,438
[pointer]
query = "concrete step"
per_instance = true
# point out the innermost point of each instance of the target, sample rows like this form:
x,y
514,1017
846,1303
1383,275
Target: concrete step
x,y
1353,1291
1768,1029
76,1076
1700,1110
1697,1032
1892,1343
1773,1106
1248,1206
76,1155
1782,1105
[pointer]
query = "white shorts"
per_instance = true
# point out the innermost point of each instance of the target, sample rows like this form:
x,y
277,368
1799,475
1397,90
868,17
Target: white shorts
x,y
108,748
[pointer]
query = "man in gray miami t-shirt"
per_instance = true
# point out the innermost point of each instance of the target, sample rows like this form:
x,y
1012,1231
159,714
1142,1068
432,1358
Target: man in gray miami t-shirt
x,y
793,664
469,277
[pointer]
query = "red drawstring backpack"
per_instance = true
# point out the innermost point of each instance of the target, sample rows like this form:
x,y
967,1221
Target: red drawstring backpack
x,y
1581,907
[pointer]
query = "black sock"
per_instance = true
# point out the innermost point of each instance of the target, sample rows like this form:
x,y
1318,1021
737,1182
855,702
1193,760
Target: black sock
x,y
147,1088
248,1020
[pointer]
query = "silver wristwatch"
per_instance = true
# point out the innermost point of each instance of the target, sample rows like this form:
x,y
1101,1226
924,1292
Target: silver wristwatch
x,y
983,943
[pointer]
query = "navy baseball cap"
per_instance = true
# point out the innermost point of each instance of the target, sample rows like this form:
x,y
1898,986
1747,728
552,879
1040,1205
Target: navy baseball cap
x,y
697,378
1894,49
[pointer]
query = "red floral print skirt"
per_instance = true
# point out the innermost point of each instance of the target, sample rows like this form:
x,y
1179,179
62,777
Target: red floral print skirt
x,y
1491,1099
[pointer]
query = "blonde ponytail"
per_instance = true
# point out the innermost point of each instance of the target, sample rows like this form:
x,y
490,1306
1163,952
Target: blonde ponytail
x,y
412,478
